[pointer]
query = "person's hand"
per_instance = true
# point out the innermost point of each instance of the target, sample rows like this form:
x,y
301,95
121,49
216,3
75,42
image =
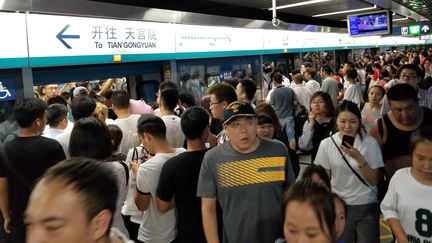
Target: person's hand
x,y
312,117
6,225
353,152
402,240
134,165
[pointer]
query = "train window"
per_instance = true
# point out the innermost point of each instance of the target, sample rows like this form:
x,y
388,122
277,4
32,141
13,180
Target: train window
x,y
197,75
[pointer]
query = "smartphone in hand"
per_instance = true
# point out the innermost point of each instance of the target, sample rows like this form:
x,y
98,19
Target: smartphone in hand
x,y
348,140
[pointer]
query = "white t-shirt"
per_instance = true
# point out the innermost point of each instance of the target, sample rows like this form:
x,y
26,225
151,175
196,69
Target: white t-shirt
x,y
52,133
174,133
156,227
63,139
313,85
128,126
410,202
354,93
129,208
269,95
304,95
343,181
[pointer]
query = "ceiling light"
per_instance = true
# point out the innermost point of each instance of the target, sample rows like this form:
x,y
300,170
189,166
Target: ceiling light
x,y
299,4
400,19
346,11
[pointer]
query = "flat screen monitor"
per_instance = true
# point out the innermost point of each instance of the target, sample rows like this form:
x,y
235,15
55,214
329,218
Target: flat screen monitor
x,y
372,23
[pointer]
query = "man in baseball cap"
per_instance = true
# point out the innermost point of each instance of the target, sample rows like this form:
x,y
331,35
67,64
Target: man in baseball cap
x,y
244,174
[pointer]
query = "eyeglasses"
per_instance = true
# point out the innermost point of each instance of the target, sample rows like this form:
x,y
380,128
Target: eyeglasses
x,y
215,102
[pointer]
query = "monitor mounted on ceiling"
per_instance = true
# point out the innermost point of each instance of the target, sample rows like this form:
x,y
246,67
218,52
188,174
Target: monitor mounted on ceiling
x,y
372,23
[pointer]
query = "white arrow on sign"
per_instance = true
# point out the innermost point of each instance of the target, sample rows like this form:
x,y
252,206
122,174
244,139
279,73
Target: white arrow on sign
x,y
425,29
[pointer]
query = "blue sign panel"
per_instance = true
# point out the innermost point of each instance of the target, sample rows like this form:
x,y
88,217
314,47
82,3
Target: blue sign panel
x,y
7,90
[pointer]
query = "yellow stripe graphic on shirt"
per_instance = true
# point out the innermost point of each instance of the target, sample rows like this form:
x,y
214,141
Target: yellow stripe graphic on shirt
x,y
253,171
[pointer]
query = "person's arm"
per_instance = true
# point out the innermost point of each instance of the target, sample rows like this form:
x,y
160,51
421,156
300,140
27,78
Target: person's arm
x,y
164,206
142,194
165,191
370,174
385,106
374,132
305,140
142,200
397,230
209,218
389,209
107,85
212,140
4,203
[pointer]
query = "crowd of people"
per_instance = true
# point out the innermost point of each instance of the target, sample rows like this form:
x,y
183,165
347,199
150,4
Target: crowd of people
x,y
97,166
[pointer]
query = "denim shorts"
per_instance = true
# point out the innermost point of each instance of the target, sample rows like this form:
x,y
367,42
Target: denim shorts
x,y
288,126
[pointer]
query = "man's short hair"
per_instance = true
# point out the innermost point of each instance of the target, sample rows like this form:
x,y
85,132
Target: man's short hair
x,y
187,99
414,67
169,98
82,106
249,88
94,181
234,81
307,64
194,121
28,110
55,114
277,77
402,92
223,92
327,69
153,125
120,99
58,99
167,85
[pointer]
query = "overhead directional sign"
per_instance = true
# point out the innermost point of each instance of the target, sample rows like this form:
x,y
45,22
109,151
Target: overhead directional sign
x,y
414,30
58,40
61,36
425,29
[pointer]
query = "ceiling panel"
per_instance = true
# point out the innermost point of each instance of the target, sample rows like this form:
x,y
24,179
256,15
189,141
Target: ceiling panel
x,y
423,7
258,9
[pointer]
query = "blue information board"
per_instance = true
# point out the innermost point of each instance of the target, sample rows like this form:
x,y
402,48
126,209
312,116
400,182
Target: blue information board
x,y
7,90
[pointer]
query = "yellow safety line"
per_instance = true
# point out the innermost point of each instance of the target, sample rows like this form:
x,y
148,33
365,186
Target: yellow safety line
x,y
384,225
386,237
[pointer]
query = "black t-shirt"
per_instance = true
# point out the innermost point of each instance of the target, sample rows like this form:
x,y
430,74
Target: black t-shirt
x,y
31,157
179,180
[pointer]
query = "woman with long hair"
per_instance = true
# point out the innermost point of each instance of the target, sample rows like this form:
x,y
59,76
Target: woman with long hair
x,y
352,159
90,138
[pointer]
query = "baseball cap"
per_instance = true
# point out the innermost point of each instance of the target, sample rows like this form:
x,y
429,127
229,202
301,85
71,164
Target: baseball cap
x,y
238,109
